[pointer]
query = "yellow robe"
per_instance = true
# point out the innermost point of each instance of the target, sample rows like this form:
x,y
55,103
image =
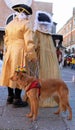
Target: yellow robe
x,y
19,47
48,63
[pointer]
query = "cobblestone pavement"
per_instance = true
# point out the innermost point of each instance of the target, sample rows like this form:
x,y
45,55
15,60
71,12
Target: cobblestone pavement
x,y
14,118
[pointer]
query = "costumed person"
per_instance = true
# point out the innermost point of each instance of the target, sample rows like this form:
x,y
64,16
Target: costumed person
x,y
59,54
46,52
19,49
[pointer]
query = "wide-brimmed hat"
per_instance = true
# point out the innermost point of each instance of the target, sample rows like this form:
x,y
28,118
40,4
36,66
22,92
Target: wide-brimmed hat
x,y
43,17
22,8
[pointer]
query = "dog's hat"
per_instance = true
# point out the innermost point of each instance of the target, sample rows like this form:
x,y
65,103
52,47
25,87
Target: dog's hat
x,y
22,8
43,21
21,69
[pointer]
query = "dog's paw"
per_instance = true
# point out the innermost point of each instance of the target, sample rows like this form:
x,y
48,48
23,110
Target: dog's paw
x,y
33,119
57,112
69,118
29,115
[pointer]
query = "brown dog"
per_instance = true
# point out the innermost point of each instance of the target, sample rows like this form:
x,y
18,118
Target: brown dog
x,y
47,88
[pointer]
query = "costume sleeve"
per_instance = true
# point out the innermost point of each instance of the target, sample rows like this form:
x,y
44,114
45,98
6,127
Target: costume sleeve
x,y
29,44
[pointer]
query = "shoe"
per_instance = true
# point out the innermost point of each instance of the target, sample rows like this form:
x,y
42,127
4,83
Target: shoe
x,y
10,99
19,103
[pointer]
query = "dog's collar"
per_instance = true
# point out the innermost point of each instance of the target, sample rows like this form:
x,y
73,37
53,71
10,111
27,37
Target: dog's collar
x,y
34,84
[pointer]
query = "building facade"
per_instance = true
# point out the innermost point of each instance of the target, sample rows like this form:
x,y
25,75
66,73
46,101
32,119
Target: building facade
x,y
68,32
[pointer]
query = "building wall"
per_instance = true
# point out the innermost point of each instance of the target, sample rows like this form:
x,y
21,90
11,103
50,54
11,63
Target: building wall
x,y
68,32
5,12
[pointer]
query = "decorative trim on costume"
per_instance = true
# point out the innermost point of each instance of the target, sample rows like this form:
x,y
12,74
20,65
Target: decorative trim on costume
x,y
23,10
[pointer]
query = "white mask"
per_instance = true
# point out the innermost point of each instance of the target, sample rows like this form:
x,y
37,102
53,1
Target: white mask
x,y
22,16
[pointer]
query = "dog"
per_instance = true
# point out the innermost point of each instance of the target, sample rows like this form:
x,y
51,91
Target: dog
x,y
36,88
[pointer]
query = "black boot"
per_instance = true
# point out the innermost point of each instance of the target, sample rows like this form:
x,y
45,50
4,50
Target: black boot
x,y
17,102
10,96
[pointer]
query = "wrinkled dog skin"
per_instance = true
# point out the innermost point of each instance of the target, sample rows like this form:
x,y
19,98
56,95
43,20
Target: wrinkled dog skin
x,y
50,87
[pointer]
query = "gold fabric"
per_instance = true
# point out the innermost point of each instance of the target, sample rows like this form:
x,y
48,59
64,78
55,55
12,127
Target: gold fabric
x,y
48,63
19,48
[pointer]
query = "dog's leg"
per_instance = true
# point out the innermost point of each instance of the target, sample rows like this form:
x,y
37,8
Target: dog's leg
x,y
30,114
65,103
60,107
33,97
35,108
70,111
31,108
34,103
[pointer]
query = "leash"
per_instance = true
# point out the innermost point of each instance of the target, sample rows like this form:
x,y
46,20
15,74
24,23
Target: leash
x,y
34,69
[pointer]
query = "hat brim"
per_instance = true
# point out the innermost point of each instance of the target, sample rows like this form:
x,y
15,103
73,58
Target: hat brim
x,y
22,8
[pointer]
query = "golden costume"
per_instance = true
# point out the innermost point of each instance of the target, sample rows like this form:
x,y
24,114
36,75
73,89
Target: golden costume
x,y
19,47
46,53
19,50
